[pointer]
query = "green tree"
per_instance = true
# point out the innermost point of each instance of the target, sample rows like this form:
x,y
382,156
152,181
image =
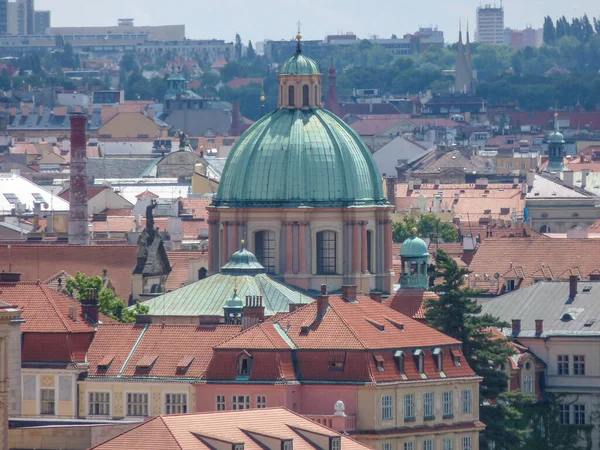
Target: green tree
x,y
549,31
237,47
108,303
458,316
250,53
427,226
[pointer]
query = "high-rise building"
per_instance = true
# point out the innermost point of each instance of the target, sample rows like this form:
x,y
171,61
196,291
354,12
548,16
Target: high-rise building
x,y
3,16
20,17
41,22
490,25
29,15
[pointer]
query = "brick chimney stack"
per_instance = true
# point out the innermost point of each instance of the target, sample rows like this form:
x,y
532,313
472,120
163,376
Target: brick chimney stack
x,y
236,120
322,302
78,211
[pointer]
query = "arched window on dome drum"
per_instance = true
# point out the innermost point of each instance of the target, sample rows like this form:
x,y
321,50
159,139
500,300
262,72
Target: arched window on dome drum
x,y
369,251
316,95
326,253
423,264
264,249
291,95
281,95
414,268
305,95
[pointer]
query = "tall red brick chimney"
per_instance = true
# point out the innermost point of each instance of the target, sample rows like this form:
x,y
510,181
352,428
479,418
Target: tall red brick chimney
x,y
78,211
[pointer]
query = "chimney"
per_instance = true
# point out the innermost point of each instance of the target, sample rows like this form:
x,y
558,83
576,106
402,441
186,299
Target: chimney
x,y
584,174
377,296
10,277
539,327
89,307
236,120
569,178
572,286
78,210
349,293
530,178
516,327
390,189
322,302
254,311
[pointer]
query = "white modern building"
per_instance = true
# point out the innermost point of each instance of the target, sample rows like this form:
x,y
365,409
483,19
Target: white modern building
x,y
490,25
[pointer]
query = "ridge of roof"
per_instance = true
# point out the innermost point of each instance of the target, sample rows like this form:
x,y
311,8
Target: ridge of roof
x,y
55,307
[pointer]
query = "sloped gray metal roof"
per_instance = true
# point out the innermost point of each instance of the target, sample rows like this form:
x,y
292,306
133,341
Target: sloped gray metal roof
x,y
549,301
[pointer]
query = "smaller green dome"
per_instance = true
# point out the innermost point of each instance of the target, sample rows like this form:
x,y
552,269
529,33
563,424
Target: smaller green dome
x,y
299,64
234,302
414,247
243,262
556,137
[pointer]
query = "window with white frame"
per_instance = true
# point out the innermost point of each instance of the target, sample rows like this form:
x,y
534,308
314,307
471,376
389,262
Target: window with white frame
x,y
99,403
221,403
386,446
387,408
428,444
578,365
335,443
564,414
326,253
261,401
409,445
137,404
467,401
176,403
528,383
240,402
428,406
466,443
288,445
562,362
48,401
447,403
579,414
409,407
447,444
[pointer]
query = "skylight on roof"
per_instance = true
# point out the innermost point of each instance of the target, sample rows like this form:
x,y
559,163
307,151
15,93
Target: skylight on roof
x,y
37,197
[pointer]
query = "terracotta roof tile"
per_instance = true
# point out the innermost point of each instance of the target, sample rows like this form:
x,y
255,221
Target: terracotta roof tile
x,y
410,302
43,261
184,432
180,267
156,350
92,191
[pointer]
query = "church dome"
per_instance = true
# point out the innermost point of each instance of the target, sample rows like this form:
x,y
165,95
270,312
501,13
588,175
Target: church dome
x,y
300,157
414,247
299,64
556,137
243,262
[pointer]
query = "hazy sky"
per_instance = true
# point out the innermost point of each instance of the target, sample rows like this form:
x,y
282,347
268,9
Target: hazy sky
x,y
274,19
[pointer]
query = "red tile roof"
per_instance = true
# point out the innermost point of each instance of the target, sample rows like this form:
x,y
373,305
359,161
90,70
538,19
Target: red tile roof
x,y
241,82
410,302
155,350
180,267
376,124
185,431
197,207
92,191
560,257
43,261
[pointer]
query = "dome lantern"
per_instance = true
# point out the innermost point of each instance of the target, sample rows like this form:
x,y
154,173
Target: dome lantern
x,y
415,258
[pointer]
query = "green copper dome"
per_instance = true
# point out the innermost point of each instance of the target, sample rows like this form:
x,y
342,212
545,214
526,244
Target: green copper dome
x,y
556,137
414,247
243,262
234,302
300,157
299,64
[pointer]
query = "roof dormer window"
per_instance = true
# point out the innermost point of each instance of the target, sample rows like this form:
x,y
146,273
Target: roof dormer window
x,y
438,356
400,361
419,360
335,443
244,364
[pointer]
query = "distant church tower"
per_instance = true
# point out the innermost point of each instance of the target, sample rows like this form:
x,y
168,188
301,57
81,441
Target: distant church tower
x,y
464,67
332,103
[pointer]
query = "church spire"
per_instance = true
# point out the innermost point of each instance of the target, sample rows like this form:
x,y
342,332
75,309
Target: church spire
x,y
298,39
463,69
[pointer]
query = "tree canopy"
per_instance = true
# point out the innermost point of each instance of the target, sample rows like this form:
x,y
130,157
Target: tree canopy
x,y
108,303
427,226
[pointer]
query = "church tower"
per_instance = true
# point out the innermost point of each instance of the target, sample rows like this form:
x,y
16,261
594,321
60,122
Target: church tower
x,y
556,149
303,190
464,69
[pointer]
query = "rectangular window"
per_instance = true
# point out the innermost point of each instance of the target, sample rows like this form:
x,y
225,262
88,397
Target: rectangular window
x,y
221,405
370,251
176,404
387,408
447,444
578,365
99,404
579,414
466,443
448,407
137,404
564,414
409,407
428,444
326,253
528,383
240,402
386,446
261,401
467,401
563,364
265,249
428,406
47,397
410,445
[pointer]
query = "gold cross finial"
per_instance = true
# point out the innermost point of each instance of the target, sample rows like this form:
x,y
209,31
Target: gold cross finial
x,y
298,35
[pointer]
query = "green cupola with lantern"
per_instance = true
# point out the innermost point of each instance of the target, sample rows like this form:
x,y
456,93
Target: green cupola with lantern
x,y
415,259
